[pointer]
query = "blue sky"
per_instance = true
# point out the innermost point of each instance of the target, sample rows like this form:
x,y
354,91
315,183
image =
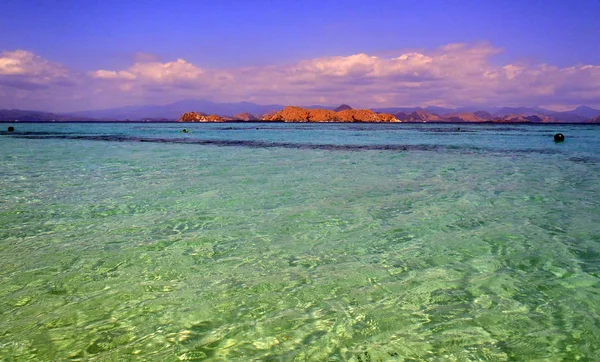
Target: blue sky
x,y
304,51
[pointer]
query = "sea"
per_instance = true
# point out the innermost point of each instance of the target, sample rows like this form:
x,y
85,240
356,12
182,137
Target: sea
x,y
299,242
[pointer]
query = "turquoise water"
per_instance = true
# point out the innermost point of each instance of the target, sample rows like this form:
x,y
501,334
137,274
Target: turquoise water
x,y
299,242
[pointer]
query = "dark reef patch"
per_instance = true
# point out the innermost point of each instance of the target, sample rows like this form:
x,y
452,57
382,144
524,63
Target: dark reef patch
x,y
591,160
268,144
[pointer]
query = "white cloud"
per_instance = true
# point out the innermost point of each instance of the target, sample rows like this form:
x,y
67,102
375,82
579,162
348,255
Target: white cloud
x,y
24,70
452,75
156,72
111,74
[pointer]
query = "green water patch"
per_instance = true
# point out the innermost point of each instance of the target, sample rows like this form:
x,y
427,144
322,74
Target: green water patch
x,y
165,252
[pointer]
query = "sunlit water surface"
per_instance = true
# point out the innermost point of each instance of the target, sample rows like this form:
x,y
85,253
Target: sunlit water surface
x,y
239,242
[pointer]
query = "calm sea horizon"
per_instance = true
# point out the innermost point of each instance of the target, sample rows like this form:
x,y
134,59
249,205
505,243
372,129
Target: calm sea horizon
x,y
299,242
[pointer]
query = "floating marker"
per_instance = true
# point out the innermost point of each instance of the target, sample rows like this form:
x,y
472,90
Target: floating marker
x,y
559,137
11,129
185,130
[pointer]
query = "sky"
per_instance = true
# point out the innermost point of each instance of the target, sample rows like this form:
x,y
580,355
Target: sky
x,y
64,56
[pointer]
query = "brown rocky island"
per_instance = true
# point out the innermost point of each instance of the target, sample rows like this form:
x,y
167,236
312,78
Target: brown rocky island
x,y
298,114
199,117
345,113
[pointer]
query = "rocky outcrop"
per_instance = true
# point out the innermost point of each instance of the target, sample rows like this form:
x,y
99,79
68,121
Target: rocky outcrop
x,y
486,116
245,116
423,116
518,118
290,114
401,116
268,115
366,115
322,115
199,117
463,117
298,114
343,107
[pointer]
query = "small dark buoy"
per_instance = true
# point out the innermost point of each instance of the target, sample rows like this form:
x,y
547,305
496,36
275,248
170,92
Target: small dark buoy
x,y
458,129
559,137
185,130
11,129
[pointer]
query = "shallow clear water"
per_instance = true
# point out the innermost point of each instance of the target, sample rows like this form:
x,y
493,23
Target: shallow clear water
x,y
299,242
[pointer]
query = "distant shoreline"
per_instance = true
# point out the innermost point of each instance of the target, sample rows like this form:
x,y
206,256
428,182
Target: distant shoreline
x,y
186,124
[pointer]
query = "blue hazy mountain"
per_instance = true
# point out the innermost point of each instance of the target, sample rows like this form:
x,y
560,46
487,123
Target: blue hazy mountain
x,y
21,115
579,114
505,111
586,112
175,110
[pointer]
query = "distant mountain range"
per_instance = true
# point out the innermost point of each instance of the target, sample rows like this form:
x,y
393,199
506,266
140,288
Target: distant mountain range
x,y
11,115
173,111
579,114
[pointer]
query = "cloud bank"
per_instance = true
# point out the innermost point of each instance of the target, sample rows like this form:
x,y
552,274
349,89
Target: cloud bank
x,y
452,75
